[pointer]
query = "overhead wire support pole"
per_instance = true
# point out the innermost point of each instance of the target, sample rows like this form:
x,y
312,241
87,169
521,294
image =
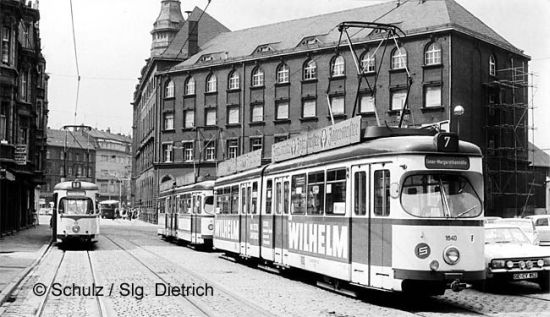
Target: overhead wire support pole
x,y
76,61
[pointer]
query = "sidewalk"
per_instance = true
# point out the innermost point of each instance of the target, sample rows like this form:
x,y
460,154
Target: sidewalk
x,y
19,252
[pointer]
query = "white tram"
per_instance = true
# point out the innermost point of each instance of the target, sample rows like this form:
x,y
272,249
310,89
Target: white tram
x,y
186,213
76,213
400,211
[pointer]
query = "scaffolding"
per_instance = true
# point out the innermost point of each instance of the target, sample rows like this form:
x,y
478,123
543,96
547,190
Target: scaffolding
x,y
509,176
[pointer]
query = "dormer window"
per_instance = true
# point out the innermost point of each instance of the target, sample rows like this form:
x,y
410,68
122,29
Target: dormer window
x,y
263,49
206,58
310,40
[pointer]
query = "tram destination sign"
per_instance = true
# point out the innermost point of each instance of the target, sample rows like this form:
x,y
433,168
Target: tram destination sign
x,y
447,162
334,136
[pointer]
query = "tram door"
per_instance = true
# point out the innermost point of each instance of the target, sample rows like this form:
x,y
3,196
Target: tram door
x,y
280,225
196,218
360,224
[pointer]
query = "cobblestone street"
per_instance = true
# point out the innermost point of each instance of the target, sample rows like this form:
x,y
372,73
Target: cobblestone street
x,y
132,272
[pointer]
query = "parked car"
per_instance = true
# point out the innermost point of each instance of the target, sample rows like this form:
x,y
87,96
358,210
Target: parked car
x,y
509,255
542,224
526,225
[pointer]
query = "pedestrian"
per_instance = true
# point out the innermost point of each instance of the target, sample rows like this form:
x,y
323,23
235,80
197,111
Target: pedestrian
x,y
130,214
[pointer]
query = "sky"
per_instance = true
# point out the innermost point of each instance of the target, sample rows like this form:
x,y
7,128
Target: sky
x,y
113,40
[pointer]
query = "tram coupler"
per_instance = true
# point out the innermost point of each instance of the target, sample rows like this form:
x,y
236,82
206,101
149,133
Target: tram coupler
x,y
458,286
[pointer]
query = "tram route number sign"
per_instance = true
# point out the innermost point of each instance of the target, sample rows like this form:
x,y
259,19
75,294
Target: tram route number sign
x,y
334,136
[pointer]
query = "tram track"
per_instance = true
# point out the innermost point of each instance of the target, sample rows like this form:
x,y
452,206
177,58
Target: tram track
x,y
233,304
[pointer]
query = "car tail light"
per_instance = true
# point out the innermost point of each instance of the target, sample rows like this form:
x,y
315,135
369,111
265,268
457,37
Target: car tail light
x,y
451,255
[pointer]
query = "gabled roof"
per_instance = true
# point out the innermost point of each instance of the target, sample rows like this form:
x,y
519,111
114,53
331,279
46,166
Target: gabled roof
x,y
413,17
538,157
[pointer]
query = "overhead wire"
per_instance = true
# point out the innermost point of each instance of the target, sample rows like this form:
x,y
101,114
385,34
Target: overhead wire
x,y
76,62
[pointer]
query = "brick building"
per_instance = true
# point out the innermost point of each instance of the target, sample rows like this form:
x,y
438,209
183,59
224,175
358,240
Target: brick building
x,y
23,113
244,90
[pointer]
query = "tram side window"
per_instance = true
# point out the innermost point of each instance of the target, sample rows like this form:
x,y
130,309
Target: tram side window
x,y
198,204
269,197
315,193
278,199
382,193
298,195
244,201
286,197
336,192
181,206
235,199
254,198
360,195
209,204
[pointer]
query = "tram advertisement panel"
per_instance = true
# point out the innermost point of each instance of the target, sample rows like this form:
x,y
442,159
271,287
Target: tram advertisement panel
x,y
322,237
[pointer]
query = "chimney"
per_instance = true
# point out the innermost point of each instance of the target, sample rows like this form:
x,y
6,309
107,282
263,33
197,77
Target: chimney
x,y
108,130
193,37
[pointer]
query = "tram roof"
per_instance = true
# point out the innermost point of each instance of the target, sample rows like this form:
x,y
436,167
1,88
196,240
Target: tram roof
x,y
385,146
204,185
69,185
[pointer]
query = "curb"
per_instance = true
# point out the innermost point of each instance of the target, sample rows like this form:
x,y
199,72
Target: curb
x,y
8,290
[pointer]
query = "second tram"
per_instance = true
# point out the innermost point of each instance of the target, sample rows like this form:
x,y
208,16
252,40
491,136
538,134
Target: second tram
x,y
75,212
186,213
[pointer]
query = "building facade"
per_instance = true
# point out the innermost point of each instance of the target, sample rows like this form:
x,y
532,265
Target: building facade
x,y
23,113
70,155
248,89
112,164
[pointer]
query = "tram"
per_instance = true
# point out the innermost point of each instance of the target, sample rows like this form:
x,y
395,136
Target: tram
x,y
396,209
186,213
75,212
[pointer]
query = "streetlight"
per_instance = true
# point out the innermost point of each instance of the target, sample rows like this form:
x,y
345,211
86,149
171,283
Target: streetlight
x,y
120,179
458,111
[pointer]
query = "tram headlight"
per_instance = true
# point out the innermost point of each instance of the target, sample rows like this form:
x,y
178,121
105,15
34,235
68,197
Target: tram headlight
x,y
540,263
451,255
434,265
529,264
522,264
509,264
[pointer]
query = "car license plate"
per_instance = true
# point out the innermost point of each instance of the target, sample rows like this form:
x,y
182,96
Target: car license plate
x,y
524,276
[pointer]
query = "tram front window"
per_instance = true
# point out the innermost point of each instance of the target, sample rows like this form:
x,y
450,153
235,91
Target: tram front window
x,y
75,206
440,195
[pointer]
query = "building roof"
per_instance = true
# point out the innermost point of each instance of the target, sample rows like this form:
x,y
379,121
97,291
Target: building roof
x,y
412,16
208,28
538,157
74,139
107,135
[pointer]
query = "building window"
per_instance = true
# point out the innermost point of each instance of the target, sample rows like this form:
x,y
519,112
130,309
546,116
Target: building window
x,y
232,148
309,108
432,96
210,150
283,74
89,172
190,86
368,62
188,119
257,77
432,56
338,66
310,70
188,150
211,83
337,105
61,171
257,113
48,154
6,45
167,152
168,121
4,121
79,171
70,170
169,89
399,58
366,104
210,115
492,66
281,110
23,85
233,115
398,99
255,143
234,80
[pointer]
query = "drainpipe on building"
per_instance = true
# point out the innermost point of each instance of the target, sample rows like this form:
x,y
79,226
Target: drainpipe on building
x,y
243,112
